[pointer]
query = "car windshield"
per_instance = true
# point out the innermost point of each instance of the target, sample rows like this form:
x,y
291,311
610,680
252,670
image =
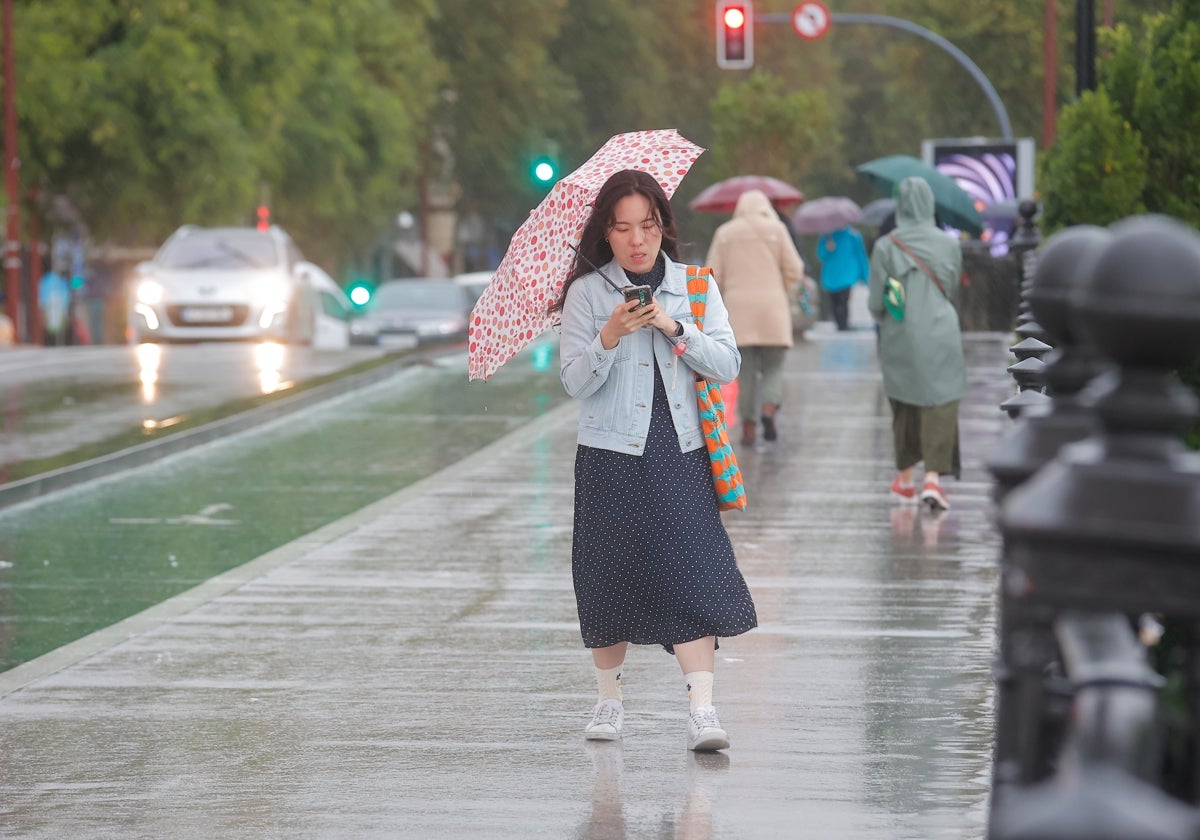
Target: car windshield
x,y
221,249
419,294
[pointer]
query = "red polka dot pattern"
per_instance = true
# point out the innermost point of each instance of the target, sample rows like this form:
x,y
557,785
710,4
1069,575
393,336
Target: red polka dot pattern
x,y
513,309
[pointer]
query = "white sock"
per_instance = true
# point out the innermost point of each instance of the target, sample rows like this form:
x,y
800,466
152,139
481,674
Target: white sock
x,y
608,681
699,685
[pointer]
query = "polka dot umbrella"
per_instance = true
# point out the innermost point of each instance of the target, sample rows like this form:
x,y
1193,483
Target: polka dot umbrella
x,y
514,308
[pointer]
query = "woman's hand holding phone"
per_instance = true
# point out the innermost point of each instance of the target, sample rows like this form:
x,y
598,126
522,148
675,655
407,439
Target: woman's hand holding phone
x,y
628,317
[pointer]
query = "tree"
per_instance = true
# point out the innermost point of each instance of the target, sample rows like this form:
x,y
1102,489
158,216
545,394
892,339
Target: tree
x,y
1096,171
510,98
152,115
761,129
1134,145
1155,82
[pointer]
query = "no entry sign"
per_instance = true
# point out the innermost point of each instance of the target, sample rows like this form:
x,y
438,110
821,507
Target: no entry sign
x,y
810,20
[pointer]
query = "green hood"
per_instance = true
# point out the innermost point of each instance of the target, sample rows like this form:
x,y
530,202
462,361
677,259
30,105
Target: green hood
x,y
914,203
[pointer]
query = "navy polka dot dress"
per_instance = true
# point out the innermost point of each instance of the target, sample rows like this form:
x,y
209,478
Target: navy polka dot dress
x,y
650,558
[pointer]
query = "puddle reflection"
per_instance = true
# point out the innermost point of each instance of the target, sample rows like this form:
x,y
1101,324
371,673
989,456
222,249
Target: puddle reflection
x,y
149,358
694,822
912,526
269,357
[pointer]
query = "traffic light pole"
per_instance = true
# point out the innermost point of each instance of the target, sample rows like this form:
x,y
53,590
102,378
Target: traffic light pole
x,y
908,26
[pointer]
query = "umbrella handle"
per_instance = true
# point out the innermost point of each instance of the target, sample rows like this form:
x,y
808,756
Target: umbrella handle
x,y
595,267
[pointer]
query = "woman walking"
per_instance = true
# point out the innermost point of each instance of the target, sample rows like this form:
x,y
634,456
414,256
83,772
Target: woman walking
x,y
757,266
921,353
651,561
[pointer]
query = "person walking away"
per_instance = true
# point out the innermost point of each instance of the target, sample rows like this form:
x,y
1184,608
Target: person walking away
x,y
651,561
921,353
756,265
843,265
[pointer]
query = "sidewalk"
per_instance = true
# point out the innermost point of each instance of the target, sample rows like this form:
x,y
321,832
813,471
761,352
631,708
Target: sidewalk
x,y
414,670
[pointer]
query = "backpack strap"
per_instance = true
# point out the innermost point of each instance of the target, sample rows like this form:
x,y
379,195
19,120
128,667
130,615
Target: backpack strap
x,y
920,263
697,286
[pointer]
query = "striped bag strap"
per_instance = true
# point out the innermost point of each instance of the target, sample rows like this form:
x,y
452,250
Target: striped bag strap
x,y
697,286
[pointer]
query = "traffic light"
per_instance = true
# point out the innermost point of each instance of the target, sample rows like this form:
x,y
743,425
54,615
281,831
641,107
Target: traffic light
x,y
735,35
360,292
542,163
543,170
264,217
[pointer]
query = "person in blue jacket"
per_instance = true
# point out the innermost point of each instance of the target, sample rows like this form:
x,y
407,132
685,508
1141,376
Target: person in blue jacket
x,y
843,264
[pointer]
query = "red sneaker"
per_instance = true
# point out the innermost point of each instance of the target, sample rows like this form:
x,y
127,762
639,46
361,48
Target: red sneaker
x,y
933,496
904,492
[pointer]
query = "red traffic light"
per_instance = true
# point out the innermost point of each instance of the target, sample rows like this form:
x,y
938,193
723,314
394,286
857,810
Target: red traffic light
x,y
735,35
264,217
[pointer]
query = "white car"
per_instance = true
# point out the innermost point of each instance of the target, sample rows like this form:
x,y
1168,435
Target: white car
x,y
212,284
474,282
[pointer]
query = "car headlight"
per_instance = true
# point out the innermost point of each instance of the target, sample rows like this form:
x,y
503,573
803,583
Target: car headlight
x,y
149,292
272,293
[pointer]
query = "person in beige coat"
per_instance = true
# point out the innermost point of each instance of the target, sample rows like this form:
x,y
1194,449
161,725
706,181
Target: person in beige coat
x,y
756,266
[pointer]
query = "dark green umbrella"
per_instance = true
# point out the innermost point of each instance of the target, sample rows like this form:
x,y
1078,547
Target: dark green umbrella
x,y
954,206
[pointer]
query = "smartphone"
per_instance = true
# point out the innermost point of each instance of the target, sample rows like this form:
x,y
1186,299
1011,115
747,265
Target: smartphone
x,y
641,294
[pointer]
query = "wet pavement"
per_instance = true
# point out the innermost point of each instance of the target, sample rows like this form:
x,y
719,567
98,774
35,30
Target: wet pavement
x,y
76,561
55,400
414,668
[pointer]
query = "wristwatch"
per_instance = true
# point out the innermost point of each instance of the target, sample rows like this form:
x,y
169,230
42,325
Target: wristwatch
x,y
678,328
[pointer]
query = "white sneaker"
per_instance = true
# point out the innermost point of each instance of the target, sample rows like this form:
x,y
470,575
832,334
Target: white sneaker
x,y
704,731
606,721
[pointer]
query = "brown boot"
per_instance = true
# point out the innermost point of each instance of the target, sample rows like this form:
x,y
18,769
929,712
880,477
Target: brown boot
x,y
748,432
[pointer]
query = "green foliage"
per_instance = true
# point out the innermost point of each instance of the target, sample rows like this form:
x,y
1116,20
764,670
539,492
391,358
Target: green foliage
x,y
761,128
1166,109
152,115
1096,171
509,96
149,115
1139,137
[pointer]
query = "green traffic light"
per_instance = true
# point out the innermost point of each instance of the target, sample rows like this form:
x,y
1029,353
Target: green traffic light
x,y
543,170
360,293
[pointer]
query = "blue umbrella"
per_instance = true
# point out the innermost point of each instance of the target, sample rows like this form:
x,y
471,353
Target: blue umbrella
x,y
954,206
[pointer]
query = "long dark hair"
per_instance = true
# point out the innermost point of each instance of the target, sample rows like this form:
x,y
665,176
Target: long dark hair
x,y
593,243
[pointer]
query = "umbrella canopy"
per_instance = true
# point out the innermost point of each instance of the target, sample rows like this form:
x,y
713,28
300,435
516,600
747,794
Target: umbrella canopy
x,y
954,206
514,308
878,210
722,196
822,215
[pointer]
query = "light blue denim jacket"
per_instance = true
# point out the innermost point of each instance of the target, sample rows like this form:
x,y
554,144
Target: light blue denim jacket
x,y
617,386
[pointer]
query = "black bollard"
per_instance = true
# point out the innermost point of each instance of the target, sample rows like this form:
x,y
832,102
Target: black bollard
x,y
1096,803
1030,348
1112,524
1067,260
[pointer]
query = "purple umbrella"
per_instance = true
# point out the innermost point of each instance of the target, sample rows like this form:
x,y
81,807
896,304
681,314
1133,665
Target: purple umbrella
x,y
822,215
878,210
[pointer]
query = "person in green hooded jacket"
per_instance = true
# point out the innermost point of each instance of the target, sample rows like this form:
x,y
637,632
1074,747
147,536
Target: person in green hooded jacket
x,y
920,342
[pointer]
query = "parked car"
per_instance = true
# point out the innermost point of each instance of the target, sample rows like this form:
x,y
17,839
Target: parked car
x,y
474,282
413,312
210,284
